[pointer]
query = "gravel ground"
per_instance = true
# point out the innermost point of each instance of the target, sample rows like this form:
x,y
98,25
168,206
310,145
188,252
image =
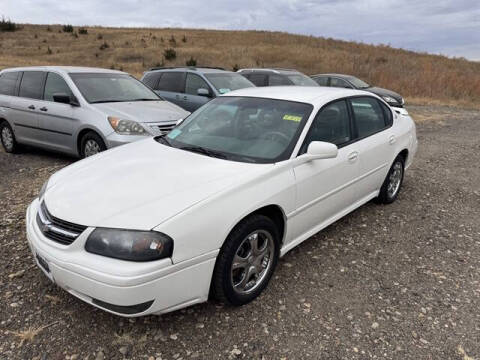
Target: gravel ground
x,y
386,282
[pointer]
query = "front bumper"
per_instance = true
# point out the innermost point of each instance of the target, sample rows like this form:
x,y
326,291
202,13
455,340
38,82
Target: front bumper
x,y
121,287
115,139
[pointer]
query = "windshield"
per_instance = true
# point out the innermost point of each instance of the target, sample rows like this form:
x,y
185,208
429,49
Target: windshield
x,y
242,129
301,80
225,82
105,87
359,84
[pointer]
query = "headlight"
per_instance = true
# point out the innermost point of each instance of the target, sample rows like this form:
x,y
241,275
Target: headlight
x,y
42,190
129,244
126,127
389,100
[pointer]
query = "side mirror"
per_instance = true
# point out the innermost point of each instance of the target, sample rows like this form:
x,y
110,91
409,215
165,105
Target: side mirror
x,y
321,150
203,92
65,99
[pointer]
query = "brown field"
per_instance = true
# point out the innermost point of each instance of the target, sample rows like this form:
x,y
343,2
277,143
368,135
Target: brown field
x,y
422,78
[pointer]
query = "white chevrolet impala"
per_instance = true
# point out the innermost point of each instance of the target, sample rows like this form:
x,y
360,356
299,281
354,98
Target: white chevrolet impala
x,y
208,209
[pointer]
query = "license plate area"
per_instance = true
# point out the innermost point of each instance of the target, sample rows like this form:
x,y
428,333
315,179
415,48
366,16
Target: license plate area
x,y
43,264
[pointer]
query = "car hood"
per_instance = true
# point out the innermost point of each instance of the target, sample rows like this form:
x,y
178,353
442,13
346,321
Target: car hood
x,y
143,111
140,185
385,92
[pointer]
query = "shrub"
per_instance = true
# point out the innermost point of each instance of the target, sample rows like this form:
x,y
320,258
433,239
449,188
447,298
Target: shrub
x,y
172,41
191,62
49,51
236,67
7,25
68,28
104,46
83,31
99,37
184,39
75,35
49,29
170,54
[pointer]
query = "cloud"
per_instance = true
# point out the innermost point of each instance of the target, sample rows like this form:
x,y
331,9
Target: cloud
x,y
450,27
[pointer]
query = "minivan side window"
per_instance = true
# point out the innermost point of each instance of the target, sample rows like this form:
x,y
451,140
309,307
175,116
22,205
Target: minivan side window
x,y
55,84
172,81
278,80
335,82
193,83
257,79
8,83
32,84
369,116
151,79
321,80
332,124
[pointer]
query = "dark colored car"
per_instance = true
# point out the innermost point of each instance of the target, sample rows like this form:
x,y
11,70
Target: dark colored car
x,y
351,82
277,77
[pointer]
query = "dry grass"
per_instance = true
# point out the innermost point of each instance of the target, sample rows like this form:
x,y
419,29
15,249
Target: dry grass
x,y
414,75
30,333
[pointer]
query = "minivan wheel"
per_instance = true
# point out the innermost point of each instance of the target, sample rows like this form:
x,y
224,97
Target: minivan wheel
x,y
246,261
8,138
91,144
393,182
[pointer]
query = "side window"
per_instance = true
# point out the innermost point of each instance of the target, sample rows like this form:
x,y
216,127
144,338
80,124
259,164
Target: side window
x,y
8,83
258,79
335,82
388,114
332,124
55,85
193,83
277,80
369,116
321,80
151,79
171,81
32,84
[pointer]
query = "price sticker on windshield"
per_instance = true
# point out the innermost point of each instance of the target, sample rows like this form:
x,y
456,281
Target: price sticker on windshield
x,y
292,118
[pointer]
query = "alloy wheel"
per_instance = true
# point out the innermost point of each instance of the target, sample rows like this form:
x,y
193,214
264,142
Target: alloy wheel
x,y
91,148
395,179
7,138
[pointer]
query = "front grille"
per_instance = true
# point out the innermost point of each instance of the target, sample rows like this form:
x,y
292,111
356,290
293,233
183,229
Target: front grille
x,y
55,229
161,129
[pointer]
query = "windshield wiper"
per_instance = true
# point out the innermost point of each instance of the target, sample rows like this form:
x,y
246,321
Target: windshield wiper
x,y
204,151
145,99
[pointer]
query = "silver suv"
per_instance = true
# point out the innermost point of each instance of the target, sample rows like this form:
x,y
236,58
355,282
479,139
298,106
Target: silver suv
x,y
79,111
192,87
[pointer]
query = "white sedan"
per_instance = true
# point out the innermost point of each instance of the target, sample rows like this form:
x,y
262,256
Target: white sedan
x,y
208,209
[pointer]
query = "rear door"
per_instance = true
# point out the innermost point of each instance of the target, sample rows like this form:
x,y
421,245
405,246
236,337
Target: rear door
x,y
257,79
375,141
26,107
57,120
171,86
192,101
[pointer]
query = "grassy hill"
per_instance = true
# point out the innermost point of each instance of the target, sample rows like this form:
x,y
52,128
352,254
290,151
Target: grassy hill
x,y
414,75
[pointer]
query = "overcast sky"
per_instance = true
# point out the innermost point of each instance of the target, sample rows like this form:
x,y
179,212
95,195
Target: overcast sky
x,y
449,27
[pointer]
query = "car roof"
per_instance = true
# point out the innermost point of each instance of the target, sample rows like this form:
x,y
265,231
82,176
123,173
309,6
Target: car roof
x,y
342,76
274,70
65,69
202,70
306,94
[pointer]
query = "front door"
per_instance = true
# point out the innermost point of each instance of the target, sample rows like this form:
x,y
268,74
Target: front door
x,y
192,101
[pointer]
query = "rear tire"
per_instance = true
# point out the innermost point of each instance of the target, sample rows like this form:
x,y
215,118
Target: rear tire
x,y
393,182
91,144
246,261
7,137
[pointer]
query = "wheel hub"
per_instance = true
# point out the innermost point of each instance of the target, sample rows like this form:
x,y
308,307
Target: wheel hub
x,y
395,179
7,138
91,148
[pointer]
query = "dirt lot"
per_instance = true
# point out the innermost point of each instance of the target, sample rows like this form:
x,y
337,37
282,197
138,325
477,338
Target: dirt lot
x,y
386,282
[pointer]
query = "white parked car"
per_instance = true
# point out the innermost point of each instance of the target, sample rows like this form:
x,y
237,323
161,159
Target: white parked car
x,y
160,224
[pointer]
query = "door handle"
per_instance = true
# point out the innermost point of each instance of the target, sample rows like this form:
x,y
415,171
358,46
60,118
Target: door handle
x,y
353,156
43,109
392,140
31,107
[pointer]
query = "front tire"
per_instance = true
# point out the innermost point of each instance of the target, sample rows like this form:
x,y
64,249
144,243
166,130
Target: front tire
x,y
393,182
91,144
7,137
246,261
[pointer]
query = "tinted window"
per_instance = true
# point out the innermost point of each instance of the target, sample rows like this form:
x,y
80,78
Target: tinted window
x,y
369,116
277,80
171,81
225,82
301,80
55,85
335,82
321,80
32,84
151,79
193,83
388,114
257,79
331,125
8,82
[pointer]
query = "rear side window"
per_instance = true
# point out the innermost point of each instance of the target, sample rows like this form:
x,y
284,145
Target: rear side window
x,y
32,84
55,85
388,114
193,83
278,80
8,83
257,79
335,82
172,81
369,116
151,79
321,80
